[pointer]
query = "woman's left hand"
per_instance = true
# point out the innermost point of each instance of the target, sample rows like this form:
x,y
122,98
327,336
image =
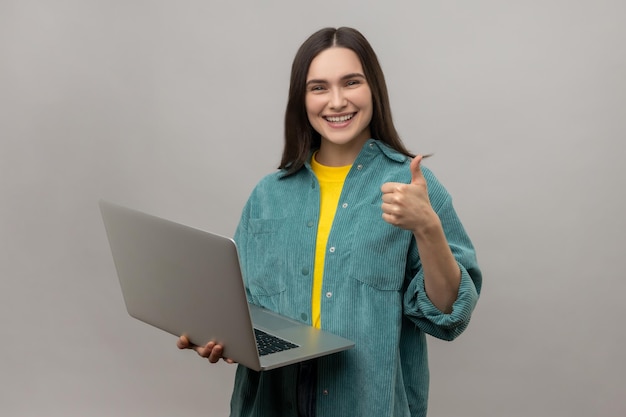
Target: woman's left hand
x,y
407,205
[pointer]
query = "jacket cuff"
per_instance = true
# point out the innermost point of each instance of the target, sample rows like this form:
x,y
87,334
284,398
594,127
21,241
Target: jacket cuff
x,y
419,308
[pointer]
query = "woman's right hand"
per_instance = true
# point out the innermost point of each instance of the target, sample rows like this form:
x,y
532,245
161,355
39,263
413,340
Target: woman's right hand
x,y
212,351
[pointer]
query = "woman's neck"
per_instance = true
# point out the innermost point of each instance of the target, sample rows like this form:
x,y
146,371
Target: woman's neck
x,y
338,155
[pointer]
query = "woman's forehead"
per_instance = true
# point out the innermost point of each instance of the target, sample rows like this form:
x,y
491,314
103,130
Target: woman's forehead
x,y
334,63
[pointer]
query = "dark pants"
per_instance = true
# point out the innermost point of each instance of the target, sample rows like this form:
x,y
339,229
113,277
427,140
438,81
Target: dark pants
x,y
307,388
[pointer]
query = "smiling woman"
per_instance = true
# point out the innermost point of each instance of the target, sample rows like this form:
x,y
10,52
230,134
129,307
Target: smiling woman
x,y
300,136
360,246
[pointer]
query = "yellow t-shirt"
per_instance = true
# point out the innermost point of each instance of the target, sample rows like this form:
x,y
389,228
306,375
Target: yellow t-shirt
x,y
331,181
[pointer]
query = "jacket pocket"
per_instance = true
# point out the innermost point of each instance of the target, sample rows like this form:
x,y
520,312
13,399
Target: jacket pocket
x,y
266,261
379,250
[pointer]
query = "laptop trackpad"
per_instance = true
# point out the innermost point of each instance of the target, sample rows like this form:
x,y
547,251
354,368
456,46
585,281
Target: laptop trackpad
x,y
269,320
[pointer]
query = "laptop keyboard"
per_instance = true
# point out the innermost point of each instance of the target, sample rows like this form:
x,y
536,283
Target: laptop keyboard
x,y
267,343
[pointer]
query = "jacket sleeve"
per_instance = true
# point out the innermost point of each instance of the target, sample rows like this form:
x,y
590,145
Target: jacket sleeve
x,y
417,305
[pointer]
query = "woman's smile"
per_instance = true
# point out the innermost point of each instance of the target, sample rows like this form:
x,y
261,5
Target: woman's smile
x,y
339,120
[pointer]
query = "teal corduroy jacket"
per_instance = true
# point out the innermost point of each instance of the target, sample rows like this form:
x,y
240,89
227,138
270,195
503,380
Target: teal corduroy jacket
x,y
373,290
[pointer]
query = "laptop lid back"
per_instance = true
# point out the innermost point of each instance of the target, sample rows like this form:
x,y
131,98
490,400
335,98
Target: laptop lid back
x,y
172,274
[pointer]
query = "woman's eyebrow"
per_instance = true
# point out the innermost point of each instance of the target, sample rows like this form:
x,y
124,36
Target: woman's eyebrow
x,y
345,77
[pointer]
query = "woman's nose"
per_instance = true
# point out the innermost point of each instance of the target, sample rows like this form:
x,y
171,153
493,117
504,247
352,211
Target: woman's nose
x,y
337,99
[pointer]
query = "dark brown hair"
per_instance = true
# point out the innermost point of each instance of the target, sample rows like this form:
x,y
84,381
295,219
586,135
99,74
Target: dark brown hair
x,y
300,137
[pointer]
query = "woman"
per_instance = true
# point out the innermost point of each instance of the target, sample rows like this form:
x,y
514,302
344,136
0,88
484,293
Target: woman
x,y
351,235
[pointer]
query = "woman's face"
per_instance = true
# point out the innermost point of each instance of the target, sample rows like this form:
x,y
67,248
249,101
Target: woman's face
x,y
339,100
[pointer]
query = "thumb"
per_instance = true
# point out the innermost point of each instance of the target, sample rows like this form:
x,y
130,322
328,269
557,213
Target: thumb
x,y
416,172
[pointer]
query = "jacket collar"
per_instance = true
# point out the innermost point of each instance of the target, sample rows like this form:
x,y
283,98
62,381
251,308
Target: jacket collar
x,y
370,149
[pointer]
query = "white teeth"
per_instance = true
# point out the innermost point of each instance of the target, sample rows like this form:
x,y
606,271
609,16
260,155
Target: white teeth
x,y
340,118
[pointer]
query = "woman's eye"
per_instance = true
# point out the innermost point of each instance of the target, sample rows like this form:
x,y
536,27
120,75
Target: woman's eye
x,y
352,83
317,88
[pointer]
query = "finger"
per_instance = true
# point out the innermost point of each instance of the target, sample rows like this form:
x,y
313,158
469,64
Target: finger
x,y
390,218
388,198
390,187
391,207
416,172
182,342
216,353
205,350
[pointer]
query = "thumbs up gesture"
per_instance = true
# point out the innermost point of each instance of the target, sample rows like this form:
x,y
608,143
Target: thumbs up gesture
x,y
407,205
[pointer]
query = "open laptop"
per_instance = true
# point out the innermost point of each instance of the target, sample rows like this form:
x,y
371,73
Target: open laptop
x,y
187,281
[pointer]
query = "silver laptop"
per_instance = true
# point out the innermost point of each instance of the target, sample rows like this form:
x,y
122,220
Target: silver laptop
x,y
187,281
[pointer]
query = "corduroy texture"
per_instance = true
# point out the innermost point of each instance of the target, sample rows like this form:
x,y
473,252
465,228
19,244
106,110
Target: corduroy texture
x,y
373,290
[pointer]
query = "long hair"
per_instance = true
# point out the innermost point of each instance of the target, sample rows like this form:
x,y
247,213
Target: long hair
x,y
300,137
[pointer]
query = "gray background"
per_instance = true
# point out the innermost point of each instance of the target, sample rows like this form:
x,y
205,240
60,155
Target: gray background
x,y
176,108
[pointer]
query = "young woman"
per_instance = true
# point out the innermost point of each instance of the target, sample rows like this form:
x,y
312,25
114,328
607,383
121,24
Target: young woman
x,y
354,236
